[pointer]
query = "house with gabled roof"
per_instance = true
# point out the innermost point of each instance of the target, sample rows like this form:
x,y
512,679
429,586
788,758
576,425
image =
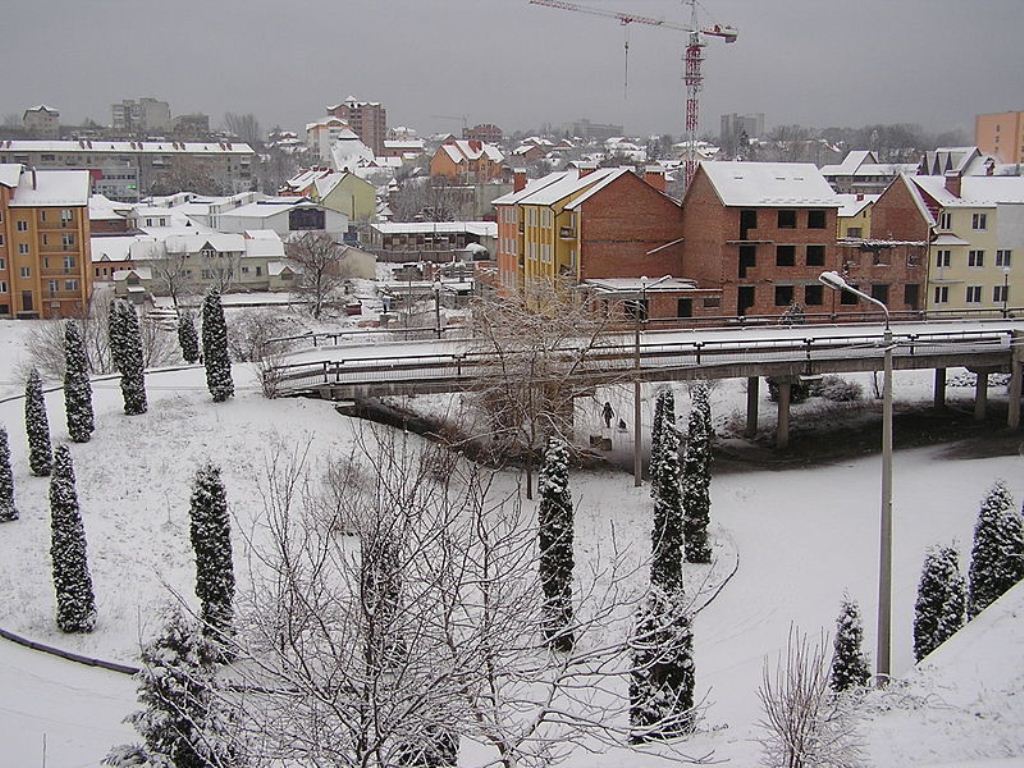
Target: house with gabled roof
x,y
467,162
338,191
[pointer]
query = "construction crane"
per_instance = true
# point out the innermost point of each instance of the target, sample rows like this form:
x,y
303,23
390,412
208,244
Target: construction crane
x,y
693,58
464,119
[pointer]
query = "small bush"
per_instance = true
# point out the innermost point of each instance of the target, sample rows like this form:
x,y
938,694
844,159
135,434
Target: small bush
x,y
799,392
837,389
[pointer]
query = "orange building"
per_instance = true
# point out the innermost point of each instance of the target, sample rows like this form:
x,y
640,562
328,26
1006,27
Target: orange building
x,y
45,257
1001,134
467,162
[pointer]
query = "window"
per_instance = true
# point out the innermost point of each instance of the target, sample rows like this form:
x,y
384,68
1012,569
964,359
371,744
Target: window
x,y
23,248
979,221
814,295
815,255
3,286
70,285
52,286
785,255
712,302
1003,258
945,221
259,271
816,219
3,265
245,270
787,219
911,291
748,221
207,274
942,259
941,294
845,297
880,291
1001,294
684,308
975,258
42,215
22,225
973,294
783,295
69,262
1,241
67,242
748,258
854,231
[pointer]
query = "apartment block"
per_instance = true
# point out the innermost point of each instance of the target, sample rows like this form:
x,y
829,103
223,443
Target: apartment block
x,y
140,117
45,258
1001,134
43,122
368,119
129,170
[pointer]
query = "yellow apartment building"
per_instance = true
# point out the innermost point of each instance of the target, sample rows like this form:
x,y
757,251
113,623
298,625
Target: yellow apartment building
x,y
854,215
45,260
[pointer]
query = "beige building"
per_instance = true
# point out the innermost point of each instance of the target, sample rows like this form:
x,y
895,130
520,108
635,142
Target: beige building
x,y
854,215
45,262
1001,134
140,117
43,122
368,119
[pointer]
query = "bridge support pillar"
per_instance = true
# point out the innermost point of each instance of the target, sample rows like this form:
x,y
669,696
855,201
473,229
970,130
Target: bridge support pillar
x,y
1013,414
782,428
940,388
753,385
981,396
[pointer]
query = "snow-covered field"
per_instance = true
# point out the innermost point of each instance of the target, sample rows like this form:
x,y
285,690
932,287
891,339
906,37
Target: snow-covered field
x,y
803,537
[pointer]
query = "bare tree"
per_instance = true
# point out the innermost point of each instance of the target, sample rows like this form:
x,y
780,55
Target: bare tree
x,y
805,724
187,174
246,127
539,340
172,276
426,199
320,259
397,606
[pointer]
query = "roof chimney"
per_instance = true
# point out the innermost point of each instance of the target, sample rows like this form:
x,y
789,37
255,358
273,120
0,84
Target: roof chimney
x,y
860,196
990,167
654,175
585,169
518,179
953,183
33,169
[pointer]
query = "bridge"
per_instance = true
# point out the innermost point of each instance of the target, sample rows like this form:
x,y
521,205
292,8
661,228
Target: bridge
x,y
361,370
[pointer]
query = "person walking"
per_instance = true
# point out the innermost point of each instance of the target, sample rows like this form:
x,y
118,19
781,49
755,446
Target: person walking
x,y
608,414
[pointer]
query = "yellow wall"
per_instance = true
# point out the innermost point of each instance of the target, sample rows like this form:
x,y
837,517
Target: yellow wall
x,y
958,276
861,220
354,197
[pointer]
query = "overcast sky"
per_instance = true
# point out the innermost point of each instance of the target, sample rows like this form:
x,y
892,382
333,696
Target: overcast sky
x,y
815,62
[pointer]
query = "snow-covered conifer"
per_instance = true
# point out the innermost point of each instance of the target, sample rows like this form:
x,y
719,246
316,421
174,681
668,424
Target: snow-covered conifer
x,y
941,601
188,338
697,478
126,349
76,606
556,545
181,724
77,389
661,685
40,456
849,664
8,511
997,558
667,534
215,349
211,539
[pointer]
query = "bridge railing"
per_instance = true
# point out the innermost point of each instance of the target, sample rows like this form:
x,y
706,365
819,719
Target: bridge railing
x,y
621,358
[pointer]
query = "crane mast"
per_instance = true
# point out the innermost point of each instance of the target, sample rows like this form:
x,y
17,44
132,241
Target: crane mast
x,y
693,58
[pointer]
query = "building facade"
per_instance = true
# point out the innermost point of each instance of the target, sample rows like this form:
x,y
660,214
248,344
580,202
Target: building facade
x,y
467,162
129,170
140,117
45,257
1001,134
42,122
369,120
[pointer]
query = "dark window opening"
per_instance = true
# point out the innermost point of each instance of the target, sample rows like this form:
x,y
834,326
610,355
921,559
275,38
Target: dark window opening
x,y
744,299
787,219
845,297
748,258
815,255
816,219
305,219
880,291
748,221
783,295
684,308
712,302
912,295
814,295
785,255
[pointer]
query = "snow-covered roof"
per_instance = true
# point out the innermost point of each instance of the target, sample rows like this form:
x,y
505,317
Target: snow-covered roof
x,y
608,179
262,234
275,268
570,183
532,186
975,191
113,248
102,146
853,204
948,239
43,108
102,208
222,243
478,228
51,189
9,174
770,184
463,149
143,273
635,285
264,248
854,159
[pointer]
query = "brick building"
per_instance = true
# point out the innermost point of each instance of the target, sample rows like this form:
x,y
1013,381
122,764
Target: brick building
x,y
487,133
368,119
45,257
467,162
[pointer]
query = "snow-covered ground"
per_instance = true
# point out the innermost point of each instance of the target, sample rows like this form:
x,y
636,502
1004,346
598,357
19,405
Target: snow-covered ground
x,y
803,537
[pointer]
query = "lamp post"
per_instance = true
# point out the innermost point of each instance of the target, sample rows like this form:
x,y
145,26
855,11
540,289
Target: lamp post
x,y
437,307
882,655
641,317
1006,289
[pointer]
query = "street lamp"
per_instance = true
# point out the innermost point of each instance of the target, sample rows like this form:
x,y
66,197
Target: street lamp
x,y
641,317
835,281
437,307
